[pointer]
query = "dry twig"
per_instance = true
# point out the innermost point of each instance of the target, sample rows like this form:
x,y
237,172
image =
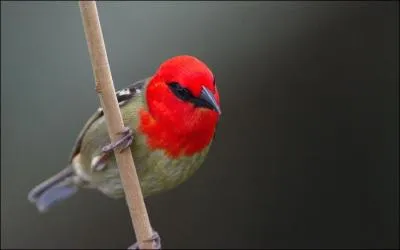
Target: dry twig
x,y
112,113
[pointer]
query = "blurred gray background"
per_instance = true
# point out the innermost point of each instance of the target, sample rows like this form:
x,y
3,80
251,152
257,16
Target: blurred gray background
x,y
306,151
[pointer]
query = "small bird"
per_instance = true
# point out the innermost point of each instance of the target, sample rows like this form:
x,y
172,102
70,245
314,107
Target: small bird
x,y
170,122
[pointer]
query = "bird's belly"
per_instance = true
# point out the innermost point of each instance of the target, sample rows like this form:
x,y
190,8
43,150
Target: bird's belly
x,y
156,171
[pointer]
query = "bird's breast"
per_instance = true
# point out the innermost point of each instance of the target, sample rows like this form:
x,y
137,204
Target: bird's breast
x,y
158,171
177,139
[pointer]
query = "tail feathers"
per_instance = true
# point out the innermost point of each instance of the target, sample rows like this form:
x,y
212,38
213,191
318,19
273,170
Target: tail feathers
x,y
57,188
54,195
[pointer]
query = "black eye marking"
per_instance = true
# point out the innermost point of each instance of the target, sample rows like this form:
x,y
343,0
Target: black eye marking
x,y
214,81
181,92
185,95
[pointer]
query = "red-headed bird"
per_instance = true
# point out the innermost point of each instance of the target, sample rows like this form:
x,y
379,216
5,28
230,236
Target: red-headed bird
x,y
170,120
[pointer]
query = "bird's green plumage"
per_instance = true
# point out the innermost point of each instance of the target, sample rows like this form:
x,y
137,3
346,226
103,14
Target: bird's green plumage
x,y
157,172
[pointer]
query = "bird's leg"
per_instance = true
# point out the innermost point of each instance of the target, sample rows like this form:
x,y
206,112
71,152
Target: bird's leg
x,y
124,142
155,238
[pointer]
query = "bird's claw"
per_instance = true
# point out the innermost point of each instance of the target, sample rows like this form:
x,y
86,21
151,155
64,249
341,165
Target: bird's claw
x,y
155,238
124,142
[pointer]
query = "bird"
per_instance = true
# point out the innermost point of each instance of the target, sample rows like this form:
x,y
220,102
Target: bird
x,y
170,121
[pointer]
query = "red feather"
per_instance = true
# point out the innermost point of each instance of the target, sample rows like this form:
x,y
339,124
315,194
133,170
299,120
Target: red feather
x,y
171,124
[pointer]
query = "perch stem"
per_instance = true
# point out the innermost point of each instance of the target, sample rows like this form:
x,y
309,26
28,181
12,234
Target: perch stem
x,y
112,113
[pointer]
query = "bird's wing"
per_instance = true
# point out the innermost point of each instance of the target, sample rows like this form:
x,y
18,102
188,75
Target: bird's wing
x,y
123,96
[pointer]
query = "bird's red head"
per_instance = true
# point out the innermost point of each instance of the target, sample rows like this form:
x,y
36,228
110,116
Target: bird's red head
x,y
183,107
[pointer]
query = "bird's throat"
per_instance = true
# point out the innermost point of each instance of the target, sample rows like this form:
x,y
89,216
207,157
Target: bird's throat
x,y
177,138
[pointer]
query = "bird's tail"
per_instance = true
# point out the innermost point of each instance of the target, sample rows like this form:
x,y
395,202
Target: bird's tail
x,y
55,189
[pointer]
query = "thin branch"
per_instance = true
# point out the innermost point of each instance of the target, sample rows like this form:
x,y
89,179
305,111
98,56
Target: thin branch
x,y
112,113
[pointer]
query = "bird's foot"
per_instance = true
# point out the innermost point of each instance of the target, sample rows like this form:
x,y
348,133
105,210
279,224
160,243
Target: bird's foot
x,y
155,238
124,142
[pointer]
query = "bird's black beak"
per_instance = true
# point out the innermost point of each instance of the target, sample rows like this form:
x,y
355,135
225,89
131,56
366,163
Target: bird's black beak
x,y
209,100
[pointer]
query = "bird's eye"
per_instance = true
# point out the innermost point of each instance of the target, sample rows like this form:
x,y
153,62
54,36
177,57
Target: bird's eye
x,y
181,92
